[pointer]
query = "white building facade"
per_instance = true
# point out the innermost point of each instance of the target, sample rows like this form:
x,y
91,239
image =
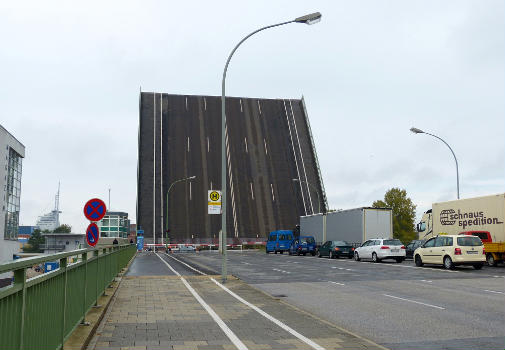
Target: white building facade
x,y
12,153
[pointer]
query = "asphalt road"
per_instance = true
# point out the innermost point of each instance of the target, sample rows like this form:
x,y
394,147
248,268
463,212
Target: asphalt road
x,y
396,305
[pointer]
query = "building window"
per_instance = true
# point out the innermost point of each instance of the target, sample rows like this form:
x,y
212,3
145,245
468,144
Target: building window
x,y
13,189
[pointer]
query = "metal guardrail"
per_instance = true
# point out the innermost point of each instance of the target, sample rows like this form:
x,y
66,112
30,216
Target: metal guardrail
x,y
41,312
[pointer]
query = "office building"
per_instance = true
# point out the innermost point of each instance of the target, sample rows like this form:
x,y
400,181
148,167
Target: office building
x,y
114,224
12,153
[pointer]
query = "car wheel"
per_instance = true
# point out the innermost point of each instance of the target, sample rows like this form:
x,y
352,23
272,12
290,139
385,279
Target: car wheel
x,y
281,251
399,260
375,259
418,261
356,256
331,255
490,260
306,254
448,263
313,253
275,251
350,256
266,251
478,266
319,254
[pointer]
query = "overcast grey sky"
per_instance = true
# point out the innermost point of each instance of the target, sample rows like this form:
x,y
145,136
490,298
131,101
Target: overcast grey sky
x,y
71,73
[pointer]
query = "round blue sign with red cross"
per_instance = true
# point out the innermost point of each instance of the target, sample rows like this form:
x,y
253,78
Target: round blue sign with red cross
x,y
92,234
94,209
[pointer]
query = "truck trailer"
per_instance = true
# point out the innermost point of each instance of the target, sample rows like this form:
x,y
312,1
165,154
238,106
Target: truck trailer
x,y
352,225
464,216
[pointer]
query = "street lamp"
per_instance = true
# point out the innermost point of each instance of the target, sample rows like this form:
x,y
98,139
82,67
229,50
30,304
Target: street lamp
x,y
314,187
419,131
168,191
307,19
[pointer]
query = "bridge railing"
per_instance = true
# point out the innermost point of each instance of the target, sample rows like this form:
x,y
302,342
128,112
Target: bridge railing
x,y
41,312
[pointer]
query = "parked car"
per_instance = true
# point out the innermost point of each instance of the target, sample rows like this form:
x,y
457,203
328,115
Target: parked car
x,y
186,248
380,249
303,245
413,245
279,241
336,249
450,251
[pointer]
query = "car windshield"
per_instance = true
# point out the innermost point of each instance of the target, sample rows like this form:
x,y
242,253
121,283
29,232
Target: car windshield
x,y
470,241
392,242
340,243
272,238
308,240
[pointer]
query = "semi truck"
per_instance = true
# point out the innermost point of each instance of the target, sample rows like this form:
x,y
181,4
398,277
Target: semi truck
x,y
480,216
352,225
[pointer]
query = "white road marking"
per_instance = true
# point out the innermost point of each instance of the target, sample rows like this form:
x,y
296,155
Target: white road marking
x,y
493,291
413,301
271,318
229,333
426,281
182,262
340,284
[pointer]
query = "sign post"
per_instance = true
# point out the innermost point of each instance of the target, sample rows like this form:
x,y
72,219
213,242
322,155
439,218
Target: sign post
x,y
92,234
94,210
214,202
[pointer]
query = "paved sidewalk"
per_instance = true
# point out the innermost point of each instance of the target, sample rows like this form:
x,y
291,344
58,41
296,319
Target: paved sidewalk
x,y
159,312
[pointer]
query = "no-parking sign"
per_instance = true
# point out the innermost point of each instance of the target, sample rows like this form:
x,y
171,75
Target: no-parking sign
x,y
94,209
92,234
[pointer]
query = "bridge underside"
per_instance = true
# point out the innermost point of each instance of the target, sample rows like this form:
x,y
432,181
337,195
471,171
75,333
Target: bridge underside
x,y
269,144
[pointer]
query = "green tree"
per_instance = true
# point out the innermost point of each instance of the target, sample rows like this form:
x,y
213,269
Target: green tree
x,y
35,242
63,229
404,213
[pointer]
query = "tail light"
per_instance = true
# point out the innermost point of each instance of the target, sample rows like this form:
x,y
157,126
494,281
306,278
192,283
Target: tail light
x,y
337,248
457,251
352,249
384,247
403,247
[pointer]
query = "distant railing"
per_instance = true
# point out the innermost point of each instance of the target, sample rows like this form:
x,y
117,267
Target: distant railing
x,y
41,312
53,247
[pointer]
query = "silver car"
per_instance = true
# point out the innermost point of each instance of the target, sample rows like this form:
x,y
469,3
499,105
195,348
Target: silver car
x,y
380,249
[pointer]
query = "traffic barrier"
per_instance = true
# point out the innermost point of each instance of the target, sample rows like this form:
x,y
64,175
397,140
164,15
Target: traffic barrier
x,y
41,312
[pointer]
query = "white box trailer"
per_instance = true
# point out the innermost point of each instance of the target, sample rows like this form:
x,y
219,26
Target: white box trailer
x,y
353,225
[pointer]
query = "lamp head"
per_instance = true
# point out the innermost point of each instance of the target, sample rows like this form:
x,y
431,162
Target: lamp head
x,y
192,177
416,131
309,19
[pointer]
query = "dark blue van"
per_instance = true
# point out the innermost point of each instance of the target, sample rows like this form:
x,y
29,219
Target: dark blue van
x,y
279,241
303,245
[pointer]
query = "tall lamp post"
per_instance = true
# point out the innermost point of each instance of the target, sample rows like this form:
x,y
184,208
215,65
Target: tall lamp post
x,y
168,191
307,19
419,131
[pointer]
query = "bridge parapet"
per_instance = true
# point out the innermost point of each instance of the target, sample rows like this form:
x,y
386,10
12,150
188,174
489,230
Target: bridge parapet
x,y
41,312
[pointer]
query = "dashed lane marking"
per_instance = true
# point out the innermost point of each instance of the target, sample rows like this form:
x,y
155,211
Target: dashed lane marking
x,y
340,284
493,291
414,301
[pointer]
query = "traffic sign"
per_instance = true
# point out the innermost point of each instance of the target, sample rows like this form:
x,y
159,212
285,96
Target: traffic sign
x,y
94,209
214,202
92,234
